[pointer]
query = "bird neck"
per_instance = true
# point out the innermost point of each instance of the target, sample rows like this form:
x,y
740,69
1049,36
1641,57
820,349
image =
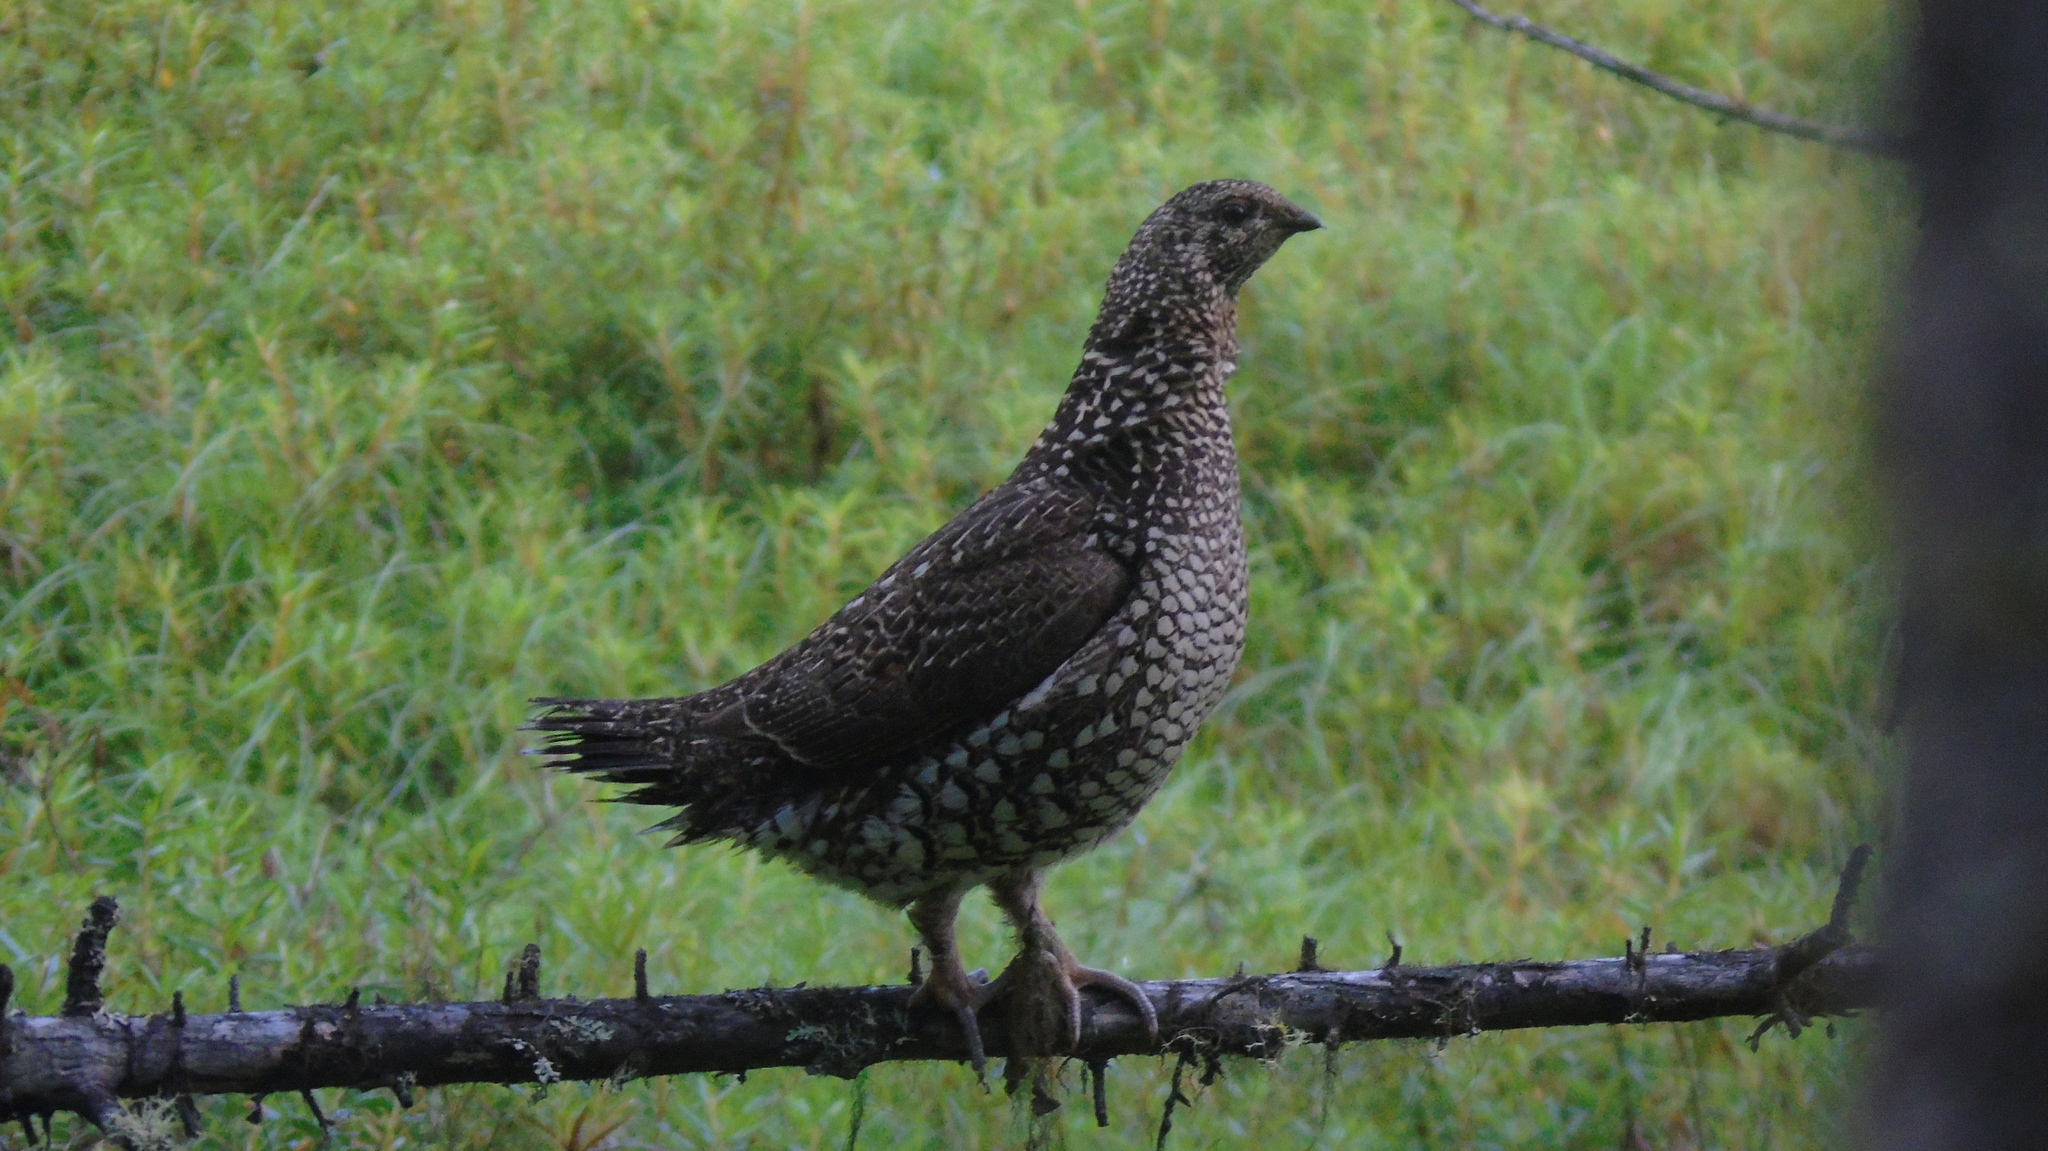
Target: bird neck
x,y
1143,310
1131,409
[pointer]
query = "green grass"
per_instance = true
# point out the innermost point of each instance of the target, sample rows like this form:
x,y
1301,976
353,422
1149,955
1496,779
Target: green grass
x,y
372,367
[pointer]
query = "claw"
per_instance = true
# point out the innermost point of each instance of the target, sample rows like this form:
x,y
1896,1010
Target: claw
x,y
961,994
975,1053
1071,992
1079,977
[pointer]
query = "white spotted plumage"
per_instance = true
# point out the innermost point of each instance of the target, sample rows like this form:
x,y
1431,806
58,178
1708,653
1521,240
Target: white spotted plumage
x,y
1014,689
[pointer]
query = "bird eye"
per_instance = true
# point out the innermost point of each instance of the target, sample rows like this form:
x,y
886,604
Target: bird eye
x,y
1234,212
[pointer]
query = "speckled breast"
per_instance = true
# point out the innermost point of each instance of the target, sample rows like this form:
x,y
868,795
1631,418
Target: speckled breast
x,y
1074,760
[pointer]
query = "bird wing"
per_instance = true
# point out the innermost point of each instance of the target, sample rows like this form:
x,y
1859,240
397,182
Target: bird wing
x,y
971,619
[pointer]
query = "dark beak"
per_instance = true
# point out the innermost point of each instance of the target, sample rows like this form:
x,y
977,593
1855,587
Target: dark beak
x,y
1302,221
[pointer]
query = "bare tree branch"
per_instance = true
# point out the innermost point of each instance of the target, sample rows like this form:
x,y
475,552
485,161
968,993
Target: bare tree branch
x,y
85,1063
1839,135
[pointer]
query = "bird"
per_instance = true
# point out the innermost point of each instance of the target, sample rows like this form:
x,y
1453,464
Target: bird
x,y
1014,689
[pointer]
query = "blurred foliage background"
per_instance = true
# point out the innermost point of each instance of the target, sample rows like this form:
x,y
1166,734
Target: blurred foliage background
x,y
371,367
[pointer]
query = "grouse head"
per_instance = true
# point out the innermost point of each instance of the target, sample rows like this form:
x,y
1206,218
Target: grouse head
x,y
1191,255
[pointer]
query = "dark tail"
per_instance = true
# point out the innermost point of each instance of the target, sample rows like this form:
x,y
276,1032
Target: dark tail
x,y
649,745
616,740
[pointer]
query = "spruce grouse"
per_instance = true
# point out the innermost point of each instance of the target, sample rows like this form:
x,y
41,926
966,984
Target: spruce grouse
x,y
1011,692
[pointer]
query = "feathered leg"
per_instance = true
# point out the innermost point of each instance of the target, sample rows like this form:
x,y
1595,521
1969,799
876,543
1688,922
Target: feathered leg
x,y
948,986
1045,974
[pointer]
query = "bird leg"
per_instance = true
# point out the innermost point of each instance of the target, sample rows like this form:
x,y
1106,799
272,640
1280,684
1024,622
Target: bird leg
x,y
948,986
1046,975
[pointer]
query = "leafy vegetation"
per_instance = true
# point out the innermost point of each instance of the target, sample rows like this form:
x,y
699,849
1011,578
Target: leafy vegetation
x,y
372,367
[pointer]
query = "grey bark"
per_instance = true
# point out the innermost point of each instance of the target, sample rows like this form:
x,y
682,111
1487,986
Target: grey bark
x,y
85,1063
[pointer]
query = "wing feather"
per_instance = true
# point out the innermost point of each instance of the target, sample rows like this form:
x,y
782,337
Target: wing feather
x,y
970,620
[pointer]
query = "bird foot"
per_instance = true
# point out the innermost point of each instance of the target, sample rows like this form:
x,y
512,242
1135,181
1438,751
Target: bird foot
x,y
1048,973
959,993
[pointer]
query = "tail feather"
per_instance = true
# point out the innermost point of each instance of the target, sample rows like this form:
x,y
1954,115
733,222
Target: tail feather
x,y
649,746
616,740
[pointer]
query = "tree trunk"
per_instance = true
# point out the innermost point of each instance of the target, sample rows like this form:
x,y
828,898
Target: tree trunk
x,y
1964,436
